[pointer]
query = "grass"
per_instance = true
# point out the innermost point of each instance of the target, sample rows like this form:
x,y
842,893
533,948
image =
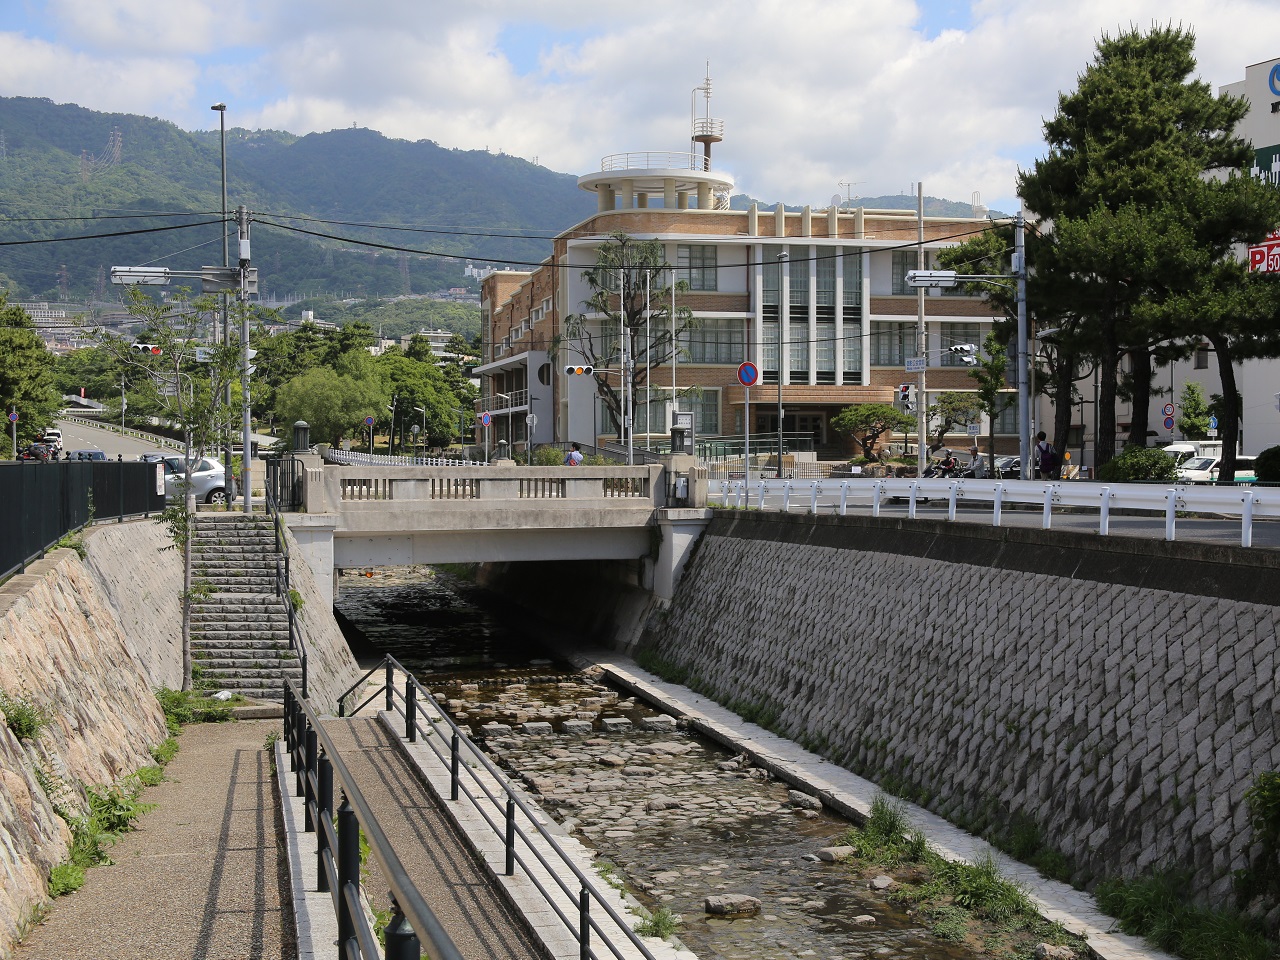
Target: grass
x,y
65,878
661,923
190,706
24,717
1158,907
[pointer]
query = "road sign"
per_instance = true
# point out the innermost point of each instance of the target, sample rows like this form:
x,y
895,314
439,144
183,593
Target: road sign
x,y
1168,409
486,418
531,420
748,374
13,417
1213,423
1168,423
975,429
368,421
915,364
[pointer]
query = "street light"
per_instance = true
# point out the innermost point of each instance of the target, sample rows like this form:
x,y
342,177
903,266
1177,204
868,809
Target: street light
x,y
221,108
422,410
949,278
783,257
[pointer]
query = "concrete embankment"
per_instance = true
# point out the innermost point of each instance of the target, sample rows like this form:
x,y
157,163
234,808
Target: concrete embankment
x,y
1115,696
87,642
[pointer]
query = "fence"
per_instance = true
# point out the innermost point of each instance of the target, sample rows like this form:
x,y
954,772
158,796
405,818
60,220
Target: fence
x,y
1246,503
43,502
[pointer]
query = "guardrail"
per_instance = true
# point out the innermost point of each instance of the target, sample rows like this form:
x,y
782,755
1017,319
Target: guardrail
x,y
506,814
315,762
283,589
354,458
159,441
1246,503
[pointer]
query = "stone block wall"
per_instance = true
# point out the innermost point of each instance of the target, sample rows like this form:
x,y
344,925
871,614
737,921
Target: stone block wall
x,y
1118,694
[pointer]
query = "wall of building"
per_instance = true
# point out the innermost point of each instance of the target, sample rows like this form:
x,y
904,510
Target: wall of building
x,y
1116,693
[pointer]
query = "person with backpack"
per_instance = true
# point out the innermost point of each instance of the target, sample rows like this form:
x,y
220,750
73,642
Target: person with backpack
x,y
1046,458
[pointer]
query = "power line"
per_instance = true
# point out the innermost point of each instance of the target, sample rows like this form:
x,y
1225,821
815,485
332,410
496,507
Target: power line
x,y
106,236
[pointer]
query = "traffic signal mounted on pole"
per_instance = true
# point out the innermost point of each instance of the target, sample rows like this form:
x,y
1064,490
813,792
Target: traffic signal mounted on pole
x,y
579,370
965,352
150,348
907,396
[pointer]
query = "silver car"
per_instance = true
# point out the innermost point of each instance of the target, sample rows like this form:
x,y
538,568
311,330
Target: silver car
x,y
208,478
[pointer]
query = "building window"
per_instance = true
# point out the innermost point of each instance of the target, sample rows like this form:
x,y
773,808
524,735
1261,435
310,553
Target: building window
x,y
798,351
714,341
852,352
697,266
1007,421
826,353
891,343
957,333
769,345
852,283
706,412
826,266
772,275
799,274
903,260
1202,357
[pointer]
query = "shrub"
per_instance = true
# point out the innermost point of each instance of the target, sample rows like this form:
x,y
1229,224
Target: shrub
x,y
188,706
1266,465
23,715
115,807
1139,464
662,923
165,751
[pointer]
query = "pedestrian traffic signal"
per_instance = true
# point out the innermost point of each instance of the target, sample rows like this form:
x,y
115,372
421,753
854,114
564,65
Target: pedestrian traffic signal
x,y
150,348
906,396
579,370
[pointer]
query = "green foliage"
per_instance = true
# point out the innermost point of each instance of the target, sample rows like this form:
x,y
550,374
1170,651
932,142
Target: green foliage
x,y
26,373
332,403
1139,464
1193,416
952,409
548,457
867,422
73,541
24,717
201,590
661,923
115,807
188,706
65,878
1159,908
165,751
946,922
887,837
979,888
295,600
1267,465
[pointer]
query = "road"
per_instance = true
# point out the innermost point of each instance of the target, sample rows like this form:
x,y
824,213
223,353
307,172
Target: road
x,y
78,436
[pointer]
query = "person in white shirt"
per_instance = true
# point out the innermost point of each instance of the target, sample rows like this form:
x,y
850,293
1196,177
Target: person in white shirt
x,y
574,457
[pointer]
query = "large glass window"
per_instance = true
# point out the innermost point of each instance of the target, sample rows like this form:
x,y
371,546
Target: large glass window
x,y
697,266
1007,421
799,276
957,333
852,352
798,335
826,266
903,260
826,345
769,355
891,343
772,269
706,411
852,283
714,341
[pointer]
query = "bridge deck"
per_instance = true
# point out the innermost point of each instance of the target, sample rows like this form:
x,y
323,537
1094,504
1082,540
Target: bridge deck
x,y
467,903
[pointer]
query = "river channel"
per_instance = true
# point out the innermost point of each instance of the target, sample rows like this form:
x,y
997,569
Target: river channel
x,y
675,816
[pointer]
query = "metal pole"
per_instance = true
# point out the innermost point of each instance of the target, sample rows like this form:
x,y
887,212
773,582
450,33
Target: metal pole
x,y
348,873
746,423
784,293
13,425
648,384
226,263
675,352
922,342
246,451
1020,271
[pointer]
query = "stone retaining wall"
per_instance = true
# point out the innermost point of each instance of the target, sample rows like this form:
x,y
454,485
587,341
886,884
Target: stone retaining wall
x,y
999,674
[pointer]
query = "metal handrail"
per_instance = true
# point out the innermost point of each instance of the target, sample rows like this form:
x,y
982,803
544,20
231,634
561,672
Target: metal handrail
x,y
355,458
654,160
1247,503
414,693
283,588
316,762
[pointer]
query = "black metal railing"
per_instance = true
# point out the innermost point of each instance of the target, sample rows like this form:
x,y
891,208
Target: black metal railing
x,y
516,822
45,501
284,482
318,768
283,588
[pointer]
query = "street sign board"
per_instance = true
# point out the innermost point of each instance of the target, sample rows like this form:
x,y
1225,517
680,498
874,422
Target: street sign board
x,y
531,420
1168,409
1265,258
368,421
1168,423
13,417
1213,423
975,429
915,364
486,418
748,374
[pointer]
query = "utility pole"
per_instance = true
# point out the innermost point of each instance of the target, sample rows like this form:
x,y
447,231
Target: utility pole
x,y
246,452
922,343
1024,401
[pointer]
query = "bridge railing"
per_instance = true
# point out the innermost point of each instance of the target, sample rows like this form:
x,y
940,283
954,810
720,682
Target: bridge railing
x,y
316,764
475,779
1245,503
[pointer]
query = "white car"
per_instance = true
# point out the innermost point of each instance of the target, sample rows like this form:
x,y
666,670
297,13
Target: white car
x,y
208,478
53,438
1205,470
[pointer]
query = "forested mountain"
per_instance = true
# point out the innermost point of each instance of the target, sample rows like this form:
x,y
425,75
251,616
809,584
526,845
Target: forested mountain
x,y
60,163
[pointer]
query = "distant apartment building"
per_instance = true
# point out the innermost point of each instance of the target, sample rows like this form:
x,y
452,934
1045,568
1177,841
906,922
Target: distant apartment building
x,y
816,299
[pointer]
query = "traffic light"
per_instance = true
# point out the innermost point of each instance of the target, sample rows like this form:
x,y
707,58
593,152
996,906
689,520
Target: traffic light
x,y
965,352
906,396
150,348
579,370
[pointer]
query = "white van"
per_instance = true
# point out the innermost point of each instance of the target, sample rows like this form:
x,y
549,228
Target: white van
x,y
53,437
1205,470
1187,449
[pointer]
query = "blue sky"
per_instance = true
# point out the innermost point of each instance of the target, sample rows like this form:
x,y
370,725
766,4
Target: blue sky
x,y
882,93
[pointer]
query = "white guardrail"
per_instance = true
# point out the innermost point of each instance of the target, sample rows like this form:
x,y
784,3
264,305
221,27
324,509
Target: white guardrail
x,y
1245,502
354,458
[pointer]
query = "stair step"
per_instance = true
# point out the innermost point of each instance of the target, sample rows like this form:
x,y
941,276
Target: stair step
x,y
212,655
209,644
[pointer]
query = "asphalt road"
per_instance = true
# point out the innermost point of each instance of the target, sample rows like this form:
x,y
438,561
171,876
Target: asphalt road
x,y
77,436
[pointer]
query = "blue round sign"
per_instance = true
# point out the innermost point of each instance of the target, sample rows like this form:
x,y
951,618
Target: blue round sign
x,y
368,421
748,374
485,419
1213,423
1168,423
13,417
1273,81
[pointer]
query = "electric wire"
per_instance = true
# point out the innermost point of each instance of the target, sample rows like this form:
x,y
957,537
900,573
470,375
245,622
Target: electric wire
x,y
107,236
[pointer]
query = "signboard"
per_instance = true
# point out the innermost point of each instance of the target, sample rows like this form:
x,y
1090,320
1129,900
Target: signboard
x,y
1213,423
915,364
1168,409
975,429
748,374
368,421
1265,258
13,417
1168,423
485,418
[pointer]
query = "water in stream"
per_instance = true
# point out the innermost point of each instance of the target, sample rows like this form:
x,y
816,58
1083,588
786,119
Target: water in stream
x,y
678,817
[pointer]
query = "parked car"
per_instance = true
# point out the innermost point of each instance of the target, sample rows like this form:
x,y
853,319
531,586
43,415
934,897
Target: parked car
x,y
208,478
86,455
38,451
1008,468
53,438
1205,470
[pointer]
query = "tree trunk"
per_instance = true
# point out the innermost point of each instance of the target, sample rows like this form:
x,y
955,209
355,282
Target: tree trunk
x,y
1105,442
1229,416
1140,358
1063,374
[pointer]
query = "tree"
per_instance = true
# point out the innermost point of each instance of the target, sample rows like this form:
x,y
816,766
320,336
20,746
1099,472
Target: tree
x,y
1136,219
867,422
333,404
993,390
598,334
1193,418
26,373
952,409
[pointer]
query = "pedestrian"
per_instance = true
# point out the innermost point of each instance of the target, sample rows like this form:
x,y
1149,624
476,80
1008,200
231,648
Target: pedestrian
x,y
977,466
574,457
1046,458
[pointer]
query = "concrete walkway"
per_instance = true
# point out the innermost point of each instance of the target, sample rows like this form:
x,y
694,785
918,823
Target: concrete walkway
x,y
202,876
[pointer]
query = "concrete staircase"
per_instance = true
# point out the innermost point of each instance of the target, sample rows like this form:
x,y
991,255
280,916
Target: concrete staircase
x,y
240,632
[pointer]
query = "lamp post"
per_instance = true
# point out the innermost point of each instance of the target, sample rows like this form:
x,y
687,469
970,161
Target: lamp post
x,y
423,411
221,109
783,257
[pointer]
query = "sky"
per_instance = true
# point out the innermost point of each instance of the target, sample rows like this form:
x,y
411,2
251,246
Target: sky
x,y
818,97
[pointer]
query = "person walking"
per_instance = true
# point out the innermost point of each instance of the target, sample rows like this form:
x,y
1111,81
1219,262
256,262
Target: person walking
x,y
574,457
1046,458
977,466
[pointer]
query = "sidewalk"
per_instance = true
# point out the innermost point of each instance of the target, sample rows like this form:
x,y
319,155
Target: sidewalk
x,y
203,877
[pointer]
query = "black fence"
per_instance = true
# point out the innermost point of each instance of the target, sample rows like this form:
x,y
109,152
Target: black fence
x,y
284,482
40,502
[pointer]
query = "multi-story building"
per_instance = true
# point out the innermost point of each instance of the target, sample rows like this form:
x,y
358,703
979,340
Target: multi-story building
x,y
817,300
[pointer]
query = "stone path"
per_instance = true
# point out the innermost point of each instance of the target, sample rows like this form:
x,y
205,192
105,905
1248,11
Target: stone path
x,y
202,877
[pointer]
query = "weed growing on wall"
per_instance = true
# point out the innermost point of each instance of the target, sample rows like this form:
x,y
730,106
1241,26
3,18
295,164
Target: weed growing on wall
x,y
662,923
24,717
